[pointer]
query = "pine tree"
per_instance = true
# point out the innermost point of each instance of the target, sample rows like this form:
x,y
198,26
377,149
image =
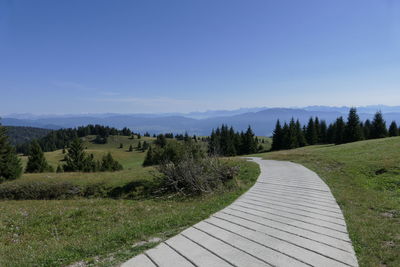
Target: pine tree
x,y
311,133
121,145
323,132
230,143
340,128
378,129
330,133
286,136
367,129
291,136
161,141
10,165
393,129
76,158
249,143
109,164
301,140
213,143
145,146
130,148
36,160
149,159
59,169
277,137
353,131
317,130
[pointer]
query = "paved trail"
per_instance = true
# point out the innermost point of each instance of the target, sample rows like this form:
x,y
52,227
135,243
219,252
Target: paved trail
x,y
288,218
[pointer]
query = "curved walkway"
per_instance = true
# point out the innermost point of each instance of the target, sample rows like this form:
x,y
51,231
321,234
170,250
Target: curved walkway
x,y
288,218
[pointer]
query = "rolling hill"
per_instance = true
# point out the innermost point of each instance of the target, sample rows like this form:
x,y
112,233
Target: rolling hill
x,y
262,120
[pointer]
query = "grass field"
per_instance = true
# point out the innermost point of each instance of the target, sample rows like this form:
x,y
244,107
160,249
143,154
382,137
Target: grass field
x,y
101,231
365,179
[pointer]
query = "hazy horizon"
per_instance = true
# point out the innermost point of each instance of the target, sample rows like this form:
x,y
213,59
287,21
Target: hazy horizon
x,y
244,109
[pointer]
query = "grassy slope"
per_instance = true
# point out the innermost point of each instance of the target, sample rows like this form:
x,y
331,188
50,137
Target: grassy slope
x,y
131,161
59,232
365,179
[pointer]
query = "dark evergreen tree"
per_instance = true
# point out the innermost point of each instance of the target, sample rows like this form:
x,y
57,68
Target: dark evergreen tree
x,y
311,133
353,132
330,133
59,169
214,143
367,128
77,160
161,141
100,140
277,137
393,129
10,165
109,164
249,144
340,128
139,146
290,138
286,136
301,139
36,160
145,146
130,148
126,132
323,132
378,129
121,145
317,130
230,149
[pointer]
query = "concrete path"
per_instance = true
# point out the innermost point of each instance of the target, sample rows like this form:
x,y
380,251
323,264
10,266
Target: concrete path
x,y
288,218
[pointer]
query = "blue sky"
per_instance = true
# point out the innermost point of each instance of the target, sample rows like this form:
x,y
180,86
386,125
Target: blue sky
x,y
93,56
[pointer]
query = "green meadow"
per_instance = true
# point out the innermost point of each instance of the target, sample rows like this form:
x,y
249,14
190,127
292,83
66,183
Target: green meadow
x,y
100,228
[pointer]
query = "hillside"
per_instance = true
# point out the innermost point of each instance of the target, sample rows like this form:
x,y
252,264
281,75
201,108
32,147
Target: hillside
x,y
365,179
261,120
20,135
114,211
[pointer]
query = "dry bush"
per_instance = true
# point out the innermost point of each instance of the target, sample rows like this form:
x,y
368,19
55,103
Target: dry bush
x,y
193,176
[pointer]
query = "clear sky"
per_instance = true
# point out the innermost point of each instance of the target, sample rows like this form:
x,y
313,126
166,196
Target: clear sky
x,y
133,56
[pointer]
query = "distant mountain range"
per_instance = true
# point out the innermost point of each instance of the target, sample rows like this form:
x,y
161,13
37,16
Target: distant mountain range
x,y
262,119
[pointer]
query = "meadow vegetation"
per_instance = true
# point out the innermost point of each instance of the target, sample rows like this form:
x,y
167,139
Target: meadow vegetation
x,y
102,218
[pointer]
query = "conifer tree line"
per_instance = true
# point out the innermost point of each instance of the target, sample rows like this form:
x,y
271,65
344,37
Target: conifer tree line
x,y
293,134
224,141
60,139
10,164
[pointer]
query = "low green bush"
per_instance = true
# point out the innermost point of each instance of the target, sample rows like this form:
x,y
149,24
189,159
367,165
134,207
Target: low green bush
x,y
39,190
47,190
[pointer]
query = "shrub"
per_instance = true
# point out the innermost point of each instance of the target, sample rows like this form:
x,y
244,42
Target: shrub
x,y
173,151
38,190
194,176
109,164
